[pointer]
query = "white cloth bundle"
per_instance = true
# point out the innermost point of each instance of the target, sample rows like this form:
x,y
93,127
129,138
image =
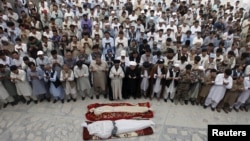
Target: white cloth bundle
x,y
110,109
103,129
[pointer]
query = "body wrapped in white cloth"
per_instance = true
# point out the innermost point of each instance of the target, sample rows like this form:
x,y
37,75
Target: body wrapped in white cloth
x,y
105,129
129,109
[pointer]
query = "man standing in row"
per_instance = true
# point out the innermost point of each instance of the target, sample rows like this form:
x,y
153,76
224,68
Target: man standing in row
x,y
183,85
81,73
172,78
116,75
158,75
132,80
223,81
18,77
99,70
35,75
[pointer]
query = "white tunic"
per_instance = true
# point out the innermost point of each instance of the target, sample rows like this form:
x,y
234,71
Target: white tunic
x,y
8,61
218,90
21,49
203,59
116,81
23,87
120,44
82,77
157,86
246,93
18,62
145,81
159,39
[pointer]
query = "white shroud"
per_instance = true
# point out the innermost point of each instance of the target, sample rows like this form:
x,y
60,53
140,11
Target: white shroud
x,y
103,129
110,109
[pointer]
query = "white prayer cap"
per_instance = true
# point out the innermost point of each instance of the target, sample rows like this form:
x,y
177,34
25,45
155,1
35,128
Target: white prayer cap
x,y
40,52
173,13
227,11
190,9
248,44
212,55
247,71
142,30
4,38
123,53
95,23
133,24
142,11
224,37
5,17
160,61
132,63
151,18
30,2
127,26
112,12
171,20
201,68
161,20
176,65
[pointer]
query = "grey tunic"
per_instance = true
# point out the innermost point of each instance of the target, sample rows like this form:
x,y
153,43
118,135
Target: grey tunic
x,y
9,86
38,84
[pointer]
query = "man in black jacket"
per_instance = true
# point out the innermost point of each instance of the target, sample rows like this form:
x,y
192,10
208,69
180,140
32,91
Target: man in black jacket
x,y
237,72
172,78
132,76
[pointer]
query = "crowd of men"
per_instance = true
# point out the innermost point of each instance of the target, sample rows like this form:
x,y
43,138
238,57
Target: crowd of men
x,y
186,51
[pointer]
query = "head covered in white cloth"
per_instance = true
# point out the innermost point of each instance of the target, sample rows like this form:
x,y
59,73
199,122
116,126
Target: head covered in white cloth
x,y
40,52
212,55
177,65
123,53
201,68
132,63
